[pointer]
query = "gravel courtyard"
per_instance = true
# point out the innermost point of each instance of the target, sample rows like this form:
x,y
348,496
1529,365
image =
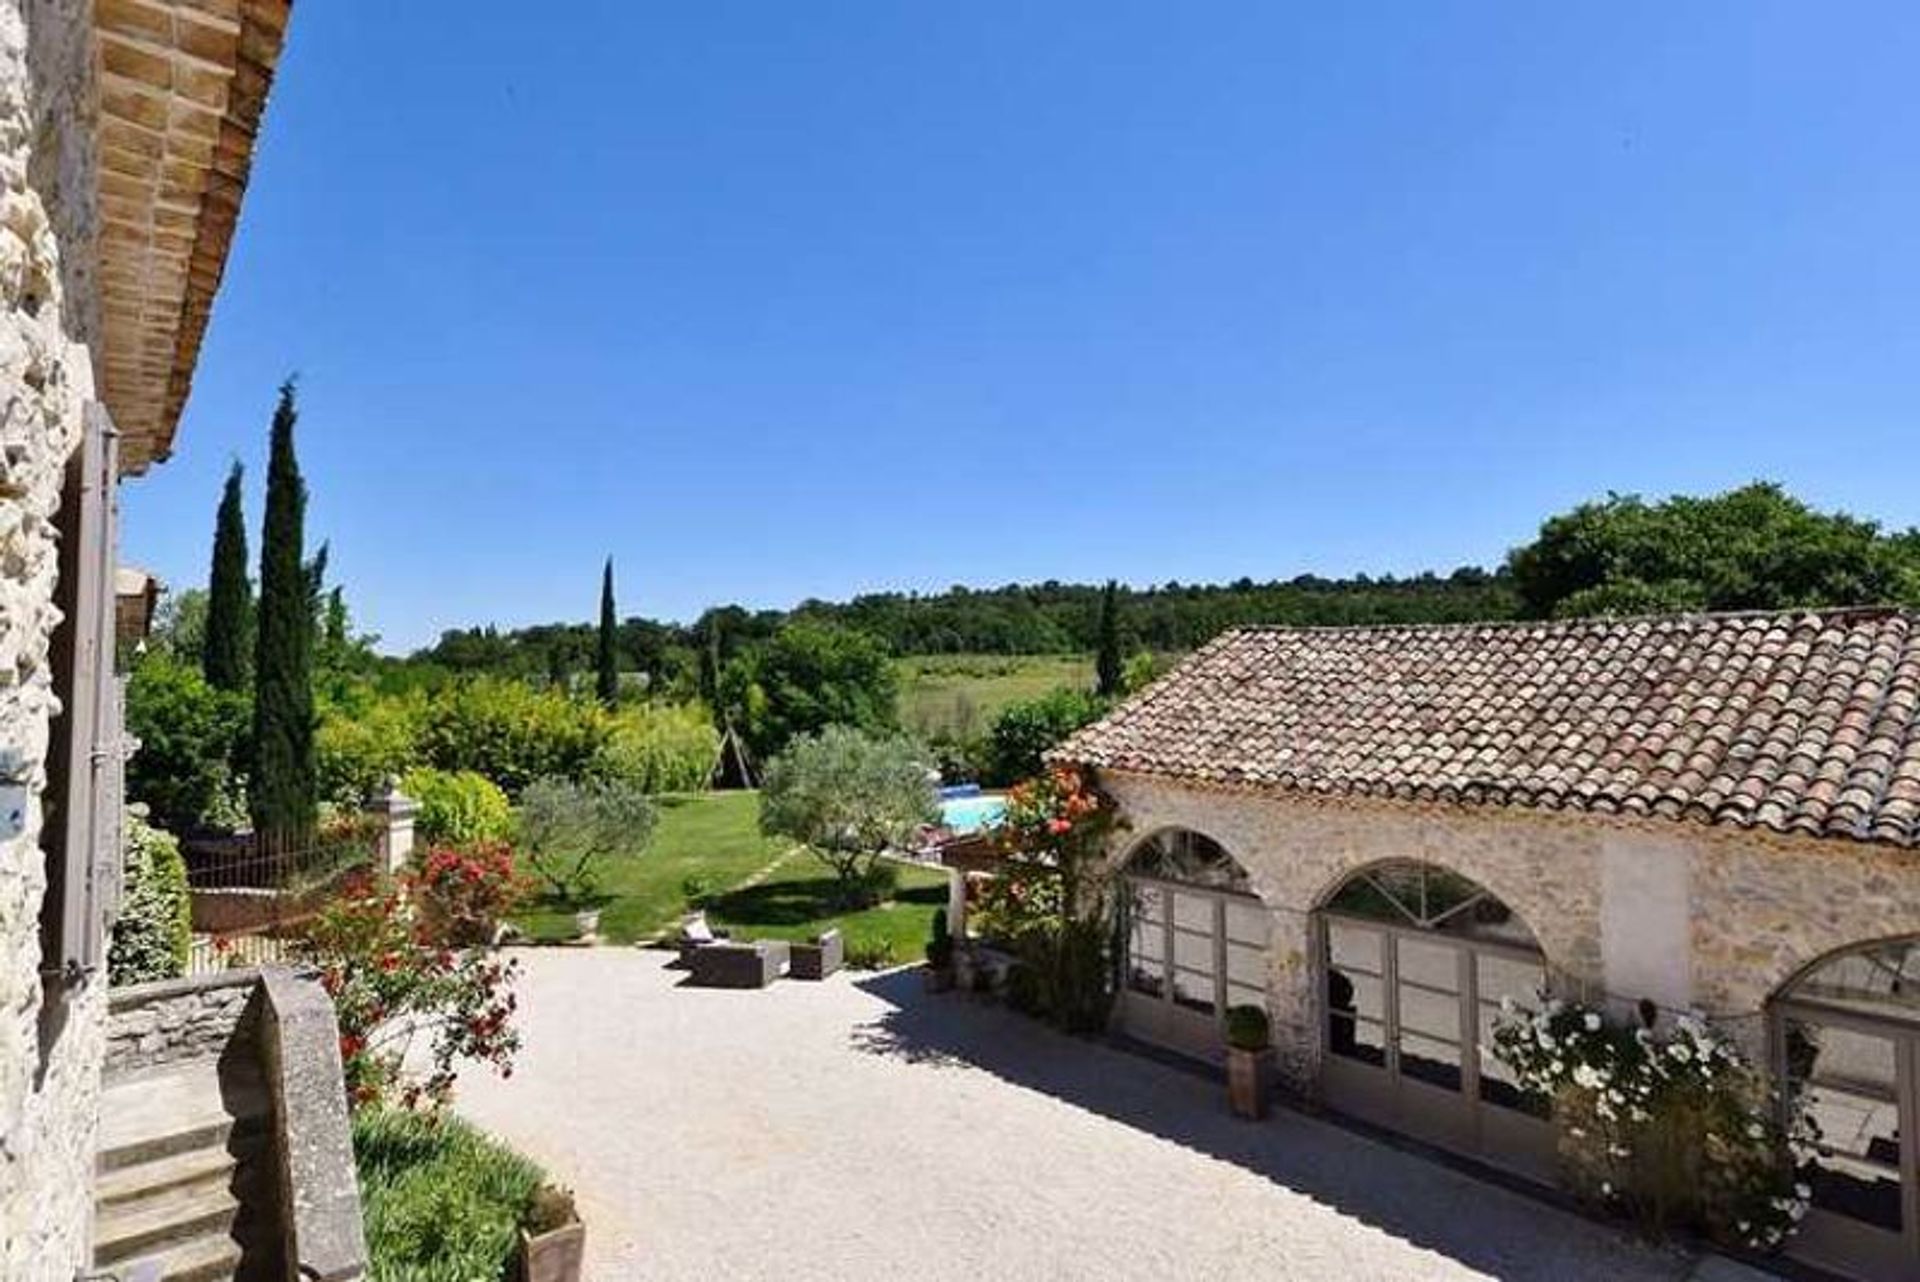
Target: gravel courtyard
x,y
861,1129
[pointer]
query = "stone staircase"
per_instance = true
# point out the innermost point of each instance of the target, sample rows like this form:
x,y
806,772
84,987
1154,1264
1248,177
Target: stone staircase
x,y
184,1190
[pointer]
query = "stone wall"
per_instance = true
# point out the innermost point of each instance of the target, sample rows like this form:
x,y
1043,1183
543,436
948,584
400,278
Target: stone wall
x,y
152,1025
50,1049
1689,916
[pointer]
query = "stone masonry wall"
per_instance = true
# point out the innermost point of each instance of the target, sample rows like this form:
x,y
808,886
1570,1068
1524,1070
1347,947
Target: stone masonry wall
x,y
1700,918
50,1053
153,1025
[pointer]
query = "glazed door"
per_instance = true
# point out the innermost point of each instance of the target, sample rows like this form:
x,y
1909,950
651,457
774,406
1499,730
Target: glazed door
x,y
1407,1012
1856,1078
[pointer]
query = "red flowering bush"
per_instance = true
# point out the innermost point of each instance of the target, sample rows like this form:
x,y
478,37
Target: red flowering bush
x,y
396,956
1046,901
465,894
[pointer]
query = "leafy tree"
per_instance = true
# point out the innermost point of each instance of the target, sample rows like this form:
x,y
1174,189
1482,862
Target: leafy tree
x,y
806,678
1754,548
1106,663
606,660
512,733
1025,730
848,797
226,659
567,828
363,741
458,807
189,735
180,626
661,748
283,793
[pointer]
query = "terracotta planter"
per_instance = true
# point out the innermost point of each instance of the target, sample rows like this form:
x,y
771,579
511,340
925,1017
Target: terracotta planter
x,y
553,1256
1249,1081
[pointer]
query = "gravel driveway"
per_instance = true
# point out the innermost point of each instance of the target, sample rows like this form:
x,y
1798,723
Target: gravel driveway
x,y
860,1129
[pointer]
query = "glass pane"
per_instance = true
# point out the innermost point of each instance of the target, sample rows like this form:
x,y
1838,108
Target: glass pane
x,y
1193,912
1193,991
1248,923
1435,1014
1193,951
1147,975
1247,965
1149,903
1430,1060
1883,979
1497,1083
1353,950
1357,994
1359,1039
1500,976
1429,965
1147,939
1245,995
1849,1084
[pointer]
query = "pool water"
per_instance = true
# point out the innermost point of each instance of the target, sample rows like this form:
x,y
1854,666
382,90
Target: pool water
x,y
971,814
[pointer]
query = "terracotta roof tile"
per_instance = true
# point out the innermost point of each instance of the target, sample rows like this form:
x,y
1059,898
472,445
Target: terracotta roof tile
x,y
1800,722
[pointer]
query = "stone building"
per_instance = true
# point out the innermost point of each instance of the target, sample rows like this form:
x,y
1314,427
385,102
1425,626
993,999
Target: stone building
x,y
126,132
1378,833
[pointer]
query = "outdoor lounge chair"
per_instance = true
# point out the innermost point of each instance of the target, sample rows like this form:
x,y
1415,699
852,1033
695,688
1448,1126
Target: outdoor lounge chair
x,y
696,934
819,959
741,965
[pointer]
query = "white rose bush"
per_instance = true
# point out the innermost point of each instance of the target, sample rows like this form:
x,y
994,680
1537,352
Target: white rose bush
x,y
1671,1124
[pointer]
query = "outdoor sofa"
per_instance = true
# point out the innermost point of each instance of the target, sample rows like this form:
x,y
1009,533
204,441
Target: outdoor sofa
x,y
819,959
738,965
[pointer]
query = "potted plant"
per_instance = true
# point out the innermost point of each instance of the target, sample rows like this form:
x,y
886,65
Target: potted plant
x,y
553,1241
939,972
1249,1061
586,922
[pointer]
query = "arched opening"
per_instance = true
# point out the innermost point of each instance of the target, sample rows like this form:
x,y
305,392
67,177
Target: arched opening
x,y
1194,941
1415,961
1846,1044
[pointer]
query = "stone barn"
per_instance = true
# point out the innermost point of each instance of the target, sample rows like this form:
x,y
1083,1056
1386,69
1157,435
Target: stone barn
x,y
1378,833
127,128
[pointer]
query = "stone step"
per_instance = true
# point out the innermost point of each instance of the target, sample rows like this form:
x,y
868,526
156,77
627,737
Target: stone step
x,y
155,1224
195,1169
159,1115
213,1258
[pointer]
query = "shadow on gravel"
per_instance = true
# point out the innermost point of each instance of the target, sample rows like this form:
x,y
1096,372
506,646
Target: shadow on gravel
x,y
1412,1197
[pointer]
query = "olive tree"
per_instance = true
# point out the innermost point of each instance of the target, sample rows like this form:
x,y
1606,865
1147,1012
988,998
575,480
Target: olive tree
x,y
567,828
848,797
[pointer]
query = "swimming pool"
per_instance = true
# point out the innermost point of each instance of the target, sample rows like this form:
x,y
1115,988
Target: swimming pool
x,y
971,814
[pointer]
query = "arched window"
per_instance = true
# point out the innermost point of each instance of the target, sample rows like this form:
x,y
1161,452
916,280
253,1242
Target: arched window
x,y
1424,897
1195,940
1846,1043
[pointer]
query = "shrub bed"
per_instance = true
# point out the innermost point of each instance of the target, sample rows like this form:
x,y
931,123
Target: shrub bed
x,y
442,1201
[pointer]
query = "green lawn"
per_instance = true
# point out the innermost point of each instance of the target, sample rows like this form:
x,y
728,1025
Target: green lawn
x,y
797,903
961,694
711,835
716,836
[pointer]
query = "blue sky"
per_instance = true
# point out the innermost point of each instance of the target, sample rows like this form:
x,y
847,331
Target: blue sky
x,y
773,300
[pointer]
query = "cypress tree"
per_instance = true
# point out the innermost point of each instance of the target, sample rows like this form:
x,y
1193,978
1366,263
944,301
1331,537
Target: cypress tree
x,y
283,786
607,676
1107,666
225,659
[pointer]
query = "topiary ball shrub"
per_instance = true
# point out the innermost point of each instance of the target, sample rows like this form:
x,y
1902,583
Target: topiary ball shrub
x,y
1248,1029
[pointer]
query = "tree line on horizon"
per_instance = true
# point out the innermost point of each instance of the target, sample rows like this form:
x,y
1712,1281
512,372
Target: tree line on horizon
x,y
1756,547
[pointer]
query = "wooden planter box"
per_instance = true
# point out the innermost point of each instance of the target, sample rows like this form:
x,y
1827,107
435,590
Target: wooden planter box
x,y
1249,1081
553,1256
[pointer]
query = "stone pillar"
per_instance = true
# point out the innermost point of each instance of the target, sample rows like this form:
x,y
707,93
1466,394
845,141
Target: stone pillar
x,y
395,810
957,905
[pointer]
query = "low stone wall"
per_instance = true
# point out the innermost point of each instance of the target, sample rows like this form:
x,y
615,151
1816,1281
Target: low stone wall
x,y
153,1025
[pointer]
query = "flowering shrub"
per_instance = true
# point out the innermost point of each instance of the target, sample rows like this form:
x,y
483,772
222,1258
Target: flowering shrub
x,y
394,973
1674,1127
1046,899
465,894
